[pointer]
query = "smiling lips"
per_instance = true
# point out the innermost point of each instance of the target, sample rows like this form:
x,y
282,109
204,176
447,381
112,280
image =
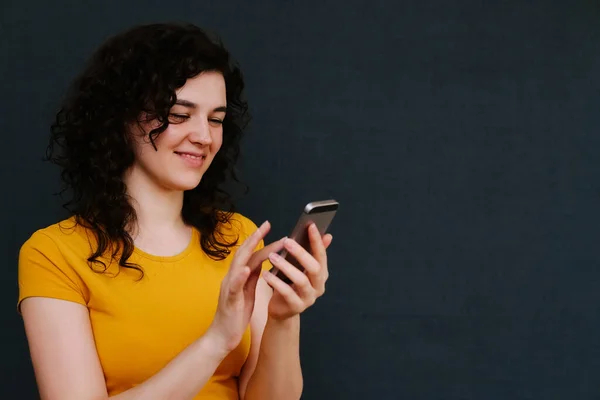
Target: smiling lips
x,y
193,160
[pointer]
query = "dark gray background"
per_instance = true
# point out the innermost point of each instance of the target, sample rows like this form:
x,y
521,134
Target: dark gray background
x,y
461,139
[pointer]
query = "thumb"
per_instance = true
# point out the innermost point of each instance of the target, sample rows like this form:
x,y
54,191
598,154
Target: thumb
x,y
327,239
238,280
251,283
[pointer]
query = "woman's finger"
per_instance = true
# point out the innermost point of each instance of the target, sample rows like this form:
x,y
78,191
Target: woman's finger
x,y
301,283
311,265
259,256
316,244
286,291
319,246
245,251
238,280
327,239
251,282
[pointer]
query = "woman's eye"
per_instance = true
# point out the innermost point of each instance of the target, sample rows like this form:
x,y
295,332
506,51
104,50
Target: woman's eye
x,y
177,118
216,121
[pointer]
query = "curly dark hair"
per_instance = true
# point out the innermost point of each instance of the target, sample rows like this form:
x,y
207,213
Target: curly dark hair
x,y
138,72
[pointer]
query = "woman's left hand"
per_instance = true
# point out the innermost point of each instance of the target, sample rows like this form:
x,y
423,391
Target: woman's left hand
x,y
307,286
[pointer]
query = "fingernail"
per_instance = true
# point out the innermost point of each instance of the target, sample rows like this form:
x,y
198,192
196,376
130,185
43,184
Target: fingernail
x,y
274,257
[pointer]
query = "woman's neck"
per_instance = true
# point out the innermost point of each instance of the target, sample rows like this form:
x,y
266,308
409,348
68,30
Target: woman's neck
x,y
158,210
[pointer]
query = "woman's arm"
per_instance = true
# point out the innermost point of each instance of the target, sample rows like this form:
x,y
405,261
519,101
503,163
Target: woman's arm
x,y
273,369
277,372
67,367
64,354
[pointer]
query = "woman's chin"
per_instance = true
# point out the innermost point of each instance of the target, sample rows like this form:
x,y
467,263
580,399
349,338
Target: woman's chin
x,y
189,187
184,184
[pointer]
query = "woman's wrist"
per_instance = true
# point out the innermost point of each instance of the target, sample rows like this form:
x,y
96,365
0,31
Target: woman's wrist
x,y
292,322
215,344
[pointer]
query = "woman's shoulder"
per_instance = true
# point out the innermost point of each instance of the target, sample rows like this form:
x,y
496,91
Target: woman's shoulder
x,y
64,233
51,263
239,224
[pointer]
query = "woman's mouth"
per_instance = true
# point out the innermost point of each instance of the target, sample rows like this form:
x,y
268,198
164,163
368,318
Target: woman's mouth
x,y
193,160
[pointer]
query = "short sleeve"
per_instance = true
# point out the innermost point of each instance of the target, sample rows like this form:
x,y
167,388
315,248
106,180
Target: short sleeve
x,y
44,272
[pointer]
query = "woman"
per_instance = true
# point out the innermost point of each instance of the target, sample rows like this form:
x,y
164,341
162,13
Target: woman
x,y
155,288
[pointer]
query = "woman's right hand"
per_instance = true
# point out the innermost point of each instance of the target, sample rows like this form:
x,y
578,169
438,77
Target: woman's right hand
x,y
238,290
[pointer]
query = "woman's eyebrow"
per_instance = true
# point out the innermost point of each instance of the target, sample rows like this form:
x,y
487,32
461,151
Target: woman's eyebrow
x,y
189,104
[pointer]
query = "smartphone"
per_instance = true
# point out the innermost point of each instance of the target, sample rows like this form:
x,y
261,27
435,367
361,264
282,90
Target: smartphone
x,y
320,213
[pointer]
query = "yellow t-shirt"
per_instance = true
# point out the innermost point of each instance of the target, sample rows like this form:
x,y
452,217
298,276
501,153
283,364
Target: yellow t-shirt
x,y
138,325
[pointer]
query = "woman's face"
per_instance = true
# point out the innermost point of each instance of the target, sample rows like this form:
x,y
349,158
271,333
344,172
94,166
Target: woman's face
x,y
186,148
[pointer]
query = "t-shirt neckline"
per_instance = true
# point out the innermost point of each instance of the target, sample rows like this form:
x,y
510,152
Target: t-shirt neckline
x,y
173,258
